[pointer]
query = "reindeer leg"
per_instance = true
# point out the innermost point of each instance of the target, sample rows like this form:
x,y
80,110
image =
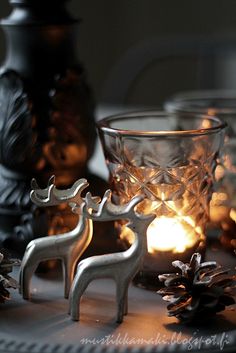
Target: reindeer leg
x,y
121,298
126,302
78,287
20,281
28,267
24,263
26,274
68,274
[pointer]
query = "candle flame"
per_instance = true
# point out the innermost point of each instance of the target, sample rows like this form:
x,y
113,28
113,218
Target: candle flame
x,y
174,234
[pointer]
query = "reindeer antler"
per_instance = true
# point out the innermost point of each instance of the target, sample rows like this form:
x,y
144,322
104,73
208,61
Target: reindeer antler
x,y
90,202
107,210
51,196
42,192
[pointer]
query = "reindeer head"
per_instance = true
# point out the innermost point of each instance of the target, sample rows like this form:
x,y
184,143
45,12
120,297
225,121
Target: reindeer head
x,y
108,211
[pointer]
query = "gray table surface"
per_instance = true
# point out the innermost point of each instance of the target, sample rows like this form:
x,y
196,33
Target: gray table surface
x,y
43,325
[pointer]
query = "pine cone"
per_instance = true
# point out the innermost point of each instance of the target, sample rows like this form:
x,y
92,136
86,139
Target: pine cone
x,y
200,289
6,265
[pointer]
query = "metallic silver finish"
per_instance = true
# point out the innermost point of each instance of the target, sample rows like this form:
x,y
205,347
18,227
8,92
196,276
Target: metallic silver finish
x,y
122,266
67,247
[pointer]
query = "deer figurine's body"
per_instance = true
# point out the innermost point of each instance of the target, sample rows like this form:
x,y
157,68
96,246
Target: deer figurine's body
x,y
121,267
67,247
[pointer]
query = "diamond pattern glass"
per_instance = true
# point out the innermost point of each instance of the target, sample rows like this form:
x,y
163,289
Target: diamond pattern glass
x,y
170,159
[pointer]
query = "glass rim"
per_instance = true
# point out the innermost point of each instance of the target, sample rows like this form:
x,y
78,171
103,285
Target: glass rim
x,y
186,101
103,124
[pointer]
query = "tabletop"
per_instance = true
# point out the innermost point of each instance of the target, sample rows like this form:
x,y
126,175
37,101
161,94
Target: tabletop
x,y
43,324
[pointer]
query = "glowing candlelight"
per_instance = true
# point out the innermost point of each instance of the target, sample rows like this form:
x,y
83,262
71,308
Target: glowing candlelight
x,y
174,234
219,209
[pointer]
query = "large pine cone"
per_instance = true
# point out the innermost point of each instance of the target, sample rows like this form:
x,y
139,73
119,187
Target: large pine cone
x,y
199,289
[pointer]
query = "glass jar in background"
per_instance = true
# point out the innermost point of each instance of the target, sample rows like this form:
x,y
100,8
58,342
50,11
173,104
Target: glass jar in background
x,y
171,160
221,103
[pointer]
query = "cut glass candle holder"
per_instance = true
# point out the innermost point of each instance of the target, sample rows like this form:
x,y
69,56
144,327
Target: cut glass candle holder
x,y
171,160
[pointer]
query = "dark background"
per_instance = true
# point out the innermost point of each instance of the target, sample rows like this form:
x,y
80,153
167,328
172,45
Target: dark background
x,y
114,35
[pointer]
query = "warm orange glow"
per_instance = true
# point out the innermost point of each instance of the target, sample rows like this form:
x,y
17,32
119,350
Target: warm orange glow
x,y
219,172
219,197
219,210
206,124
211,112
232,214
174,234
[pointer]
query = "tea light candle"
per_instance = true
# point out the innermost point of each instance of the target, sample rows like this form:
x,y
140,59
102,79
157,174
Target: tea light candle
x,y
171,234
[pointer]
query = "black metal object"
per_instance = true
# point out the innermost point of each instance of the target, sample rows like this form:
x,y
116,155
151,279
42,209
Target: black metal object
x,y
46,113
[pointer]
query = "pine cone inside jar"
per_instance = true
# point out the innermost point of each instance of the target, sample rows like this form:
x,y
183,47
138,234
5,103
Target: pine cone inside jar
x,y
6,281
198,289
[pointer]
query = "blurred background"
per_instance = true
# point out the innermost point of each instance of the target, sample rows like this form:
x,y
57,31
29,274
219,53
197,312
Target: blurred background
x,y
139,52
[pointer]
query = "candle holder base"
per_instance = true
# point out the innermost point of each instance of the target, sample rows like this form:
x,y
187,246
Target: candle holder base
x,y
147,280
162,261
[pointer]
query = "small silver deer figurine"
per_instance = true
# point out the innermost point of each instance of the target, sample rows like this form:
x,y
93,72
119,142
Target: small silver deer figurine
x,y
67,247
122,266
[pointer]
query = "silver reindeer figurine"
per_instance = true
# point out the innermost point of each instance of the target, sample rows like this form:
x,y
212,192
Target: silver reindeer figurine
x,y
122,266
67,247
